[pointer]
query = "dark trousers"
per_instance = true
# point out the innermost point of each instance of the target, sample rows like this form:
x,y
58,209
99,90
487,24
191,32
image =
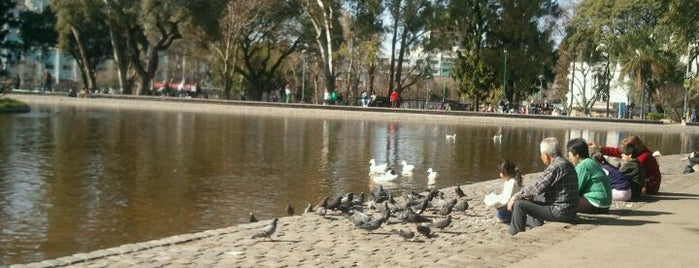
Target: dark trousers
x,y
532,213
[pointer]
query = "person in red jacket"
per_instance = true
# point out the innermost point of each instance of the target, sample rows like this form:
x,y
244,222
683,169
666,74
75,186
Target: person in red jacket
x,y
394,99
645,158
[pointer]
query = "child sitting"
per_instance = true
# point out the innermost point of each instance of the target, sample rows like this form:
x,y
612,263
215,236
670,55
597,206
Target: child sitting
x,y
513,182
633,171
621,187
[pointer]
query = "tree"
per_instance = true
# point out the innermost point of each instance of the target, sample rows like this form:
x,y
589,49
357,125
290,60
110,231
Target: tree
x,y
80,30
265,44
408,28
152,26
323,17
529,46
470,22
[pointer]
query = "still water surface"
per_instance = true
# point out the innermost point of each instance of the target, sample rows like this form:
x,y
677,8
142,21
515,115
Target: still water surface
x,y
76,179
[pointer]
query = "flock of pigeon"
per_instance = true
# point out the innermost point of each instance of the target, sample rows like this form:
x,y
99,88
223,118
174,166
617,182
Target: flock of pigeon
x,y
427,211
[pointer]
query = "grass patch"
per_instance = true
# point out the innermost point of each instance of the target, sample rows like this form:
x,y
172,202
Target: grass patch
x,y
6,103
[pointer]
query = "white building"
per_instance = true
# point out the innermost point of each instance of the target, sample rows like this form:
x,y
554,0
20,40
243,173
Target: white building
x,y
587,82
32,65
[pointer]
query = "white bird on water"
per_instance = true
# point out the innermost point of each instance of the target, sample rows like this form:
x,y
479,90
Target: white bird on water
x,y
431,176
407,169
497,138
387,176
450,137
374,168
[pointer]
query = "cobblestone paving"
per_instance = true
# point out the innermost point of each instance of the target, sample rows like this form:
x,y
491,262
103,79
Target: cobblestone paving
x,y
475,239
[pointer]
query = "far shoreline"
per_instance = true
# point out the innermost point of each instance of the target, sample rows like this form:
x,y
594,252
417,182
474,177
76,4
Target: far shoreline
x,y
349,112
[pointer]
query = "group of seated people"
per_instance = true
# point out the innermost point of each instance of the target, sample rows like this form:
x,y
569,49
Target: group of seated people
x,y
576,182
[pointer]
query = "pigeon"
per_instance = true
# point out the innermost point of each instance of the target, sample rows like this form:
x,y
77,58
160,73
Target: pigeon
x,y
446,208
424,231
308,209
333,204
252,217
442,223
267,231
413,217
459,193
322,204
371,225
406,234
461,205
289,210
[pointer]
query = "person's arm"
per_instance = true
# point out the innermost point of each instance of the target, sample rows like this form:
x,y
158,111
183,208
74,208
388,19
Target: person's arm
x,y
610,151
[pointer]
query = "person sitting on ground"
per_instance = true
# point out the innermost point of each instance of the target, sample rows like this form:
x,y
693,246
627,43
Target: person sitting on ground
x,y
645,158
556,189
621,187
593,184
633,170
513,182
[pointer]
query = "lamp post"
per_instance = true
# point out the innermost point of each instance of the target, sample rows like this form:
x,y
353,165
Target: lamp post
x,y
303,78
504,75
687,81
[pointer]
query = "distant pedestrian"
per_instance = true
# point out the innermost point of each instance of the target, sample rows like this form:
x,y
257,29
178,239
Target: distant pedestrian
x,y
394,99
47,81
287,94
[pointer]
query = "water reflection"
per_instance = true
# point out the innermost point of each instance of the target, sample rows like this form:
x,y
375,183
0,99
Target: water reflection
x,y
76,179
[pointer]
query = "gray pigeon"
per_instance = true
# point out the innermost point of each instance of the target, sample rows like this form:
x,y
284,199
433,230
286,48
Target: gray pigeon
x,y
442,223
308,209
406,234
424,231
289,210
461,205
459,193
372,225
252,217
267,231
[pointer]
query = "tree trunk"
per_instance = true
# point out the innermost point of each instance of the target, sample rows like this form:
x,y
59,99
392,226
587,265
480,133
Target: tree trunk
x,y
88,74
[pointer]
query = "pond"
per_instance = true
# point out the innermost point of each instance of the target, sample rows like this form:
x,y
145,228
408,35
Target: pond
x,y
77,179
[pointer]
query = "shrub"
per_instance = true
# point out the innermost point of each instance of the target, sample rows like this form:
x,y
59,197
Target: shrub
x,y
654,116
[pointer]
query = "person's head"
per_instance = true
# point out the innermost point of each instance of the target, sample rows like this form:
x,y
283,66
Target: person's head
x,y
628,152
636,142
550,149
599,157
510,170
577,150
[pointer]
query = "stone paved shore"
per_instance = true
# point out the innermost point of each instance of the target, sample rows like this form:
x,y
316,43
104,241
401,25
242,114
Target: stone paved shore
x,y
475,239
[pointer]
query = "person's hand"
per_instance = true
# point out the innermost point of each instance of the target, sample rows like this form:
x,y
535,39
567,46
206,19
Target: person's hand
x,y
511,203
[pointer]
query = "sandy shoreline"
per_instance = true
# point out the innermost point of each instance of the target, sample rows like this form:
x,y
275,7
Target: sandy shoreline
x,y
475,238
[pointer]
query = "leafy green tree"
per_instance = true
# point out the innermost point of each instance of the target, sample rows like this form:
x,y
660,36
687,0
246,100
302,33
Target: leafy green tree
x,y
149,27
37,29
469,22
529,46
81,32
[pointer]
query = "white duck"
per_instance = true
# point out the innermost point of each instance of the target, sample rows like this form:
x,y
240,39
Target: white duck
x,y
407,169
450,137
387,176
497,138
374,168
431,176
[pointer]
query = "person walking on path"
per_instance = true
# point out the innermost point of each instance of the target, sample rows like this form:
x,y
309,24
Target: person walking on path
x,y
287,94
645,158
47,81
394,99
593,184
556,189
